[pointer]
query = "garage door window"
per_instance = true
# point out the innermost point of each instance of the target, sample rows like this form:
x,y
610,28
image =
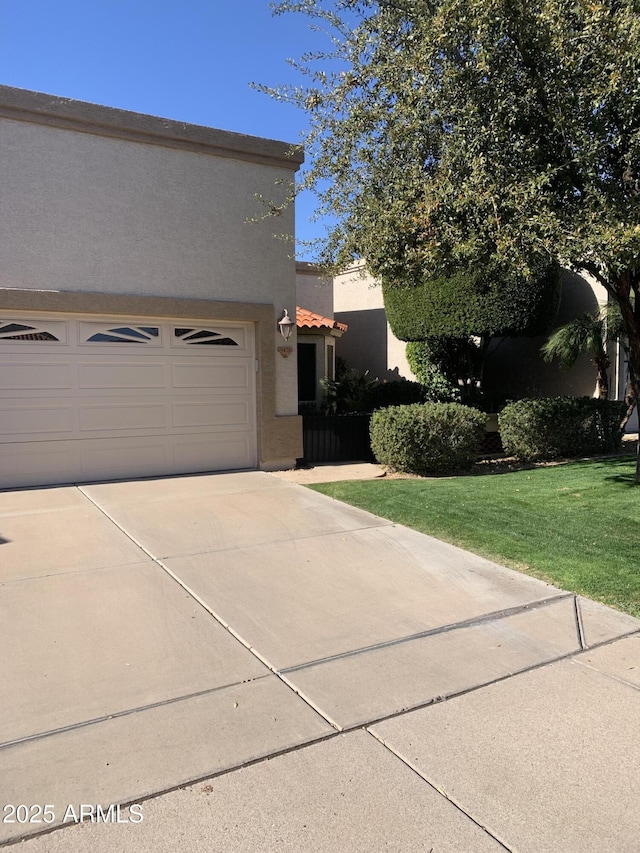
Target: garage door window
x,y
203,336
17,331
123,335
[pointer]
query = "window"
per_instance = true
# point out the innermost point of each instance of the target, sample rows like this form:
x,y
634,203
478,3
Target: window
x,y
23,332
125,335
204,337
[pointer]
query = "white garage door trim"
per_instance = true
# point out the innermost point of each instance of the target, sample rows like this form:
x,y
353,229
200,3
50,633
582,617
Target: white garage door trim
x,y
86,398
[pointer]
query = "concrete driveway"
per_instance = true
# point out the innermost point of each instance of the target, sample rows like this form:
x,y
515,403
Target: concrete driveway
x,y
257,667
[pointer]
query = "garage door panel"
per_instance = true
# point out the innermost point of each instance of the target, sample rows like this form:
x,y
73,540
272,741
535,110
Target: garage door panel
x,y
35,375
233,448
121,375
38,464
36,421
115,458
217,375
123,417
211,413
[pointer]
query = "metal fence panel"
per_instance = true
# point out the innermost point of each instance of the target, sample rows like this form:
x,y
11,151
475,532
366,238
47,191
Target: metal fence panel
x,y
336,438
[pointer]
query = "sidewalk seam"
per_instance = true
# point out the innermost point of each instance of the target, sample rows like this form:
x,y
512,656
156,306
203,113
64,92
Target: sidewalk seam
x,y
442,792
215,615
126,712
579,623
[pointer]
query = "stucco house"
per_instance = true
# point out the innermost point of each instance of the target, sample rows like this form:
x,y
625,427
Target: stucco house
x,y
139,296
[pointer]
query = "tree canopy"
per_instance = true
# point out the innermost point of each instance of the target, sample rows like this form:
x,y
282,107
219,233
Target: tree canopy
x,y
450,135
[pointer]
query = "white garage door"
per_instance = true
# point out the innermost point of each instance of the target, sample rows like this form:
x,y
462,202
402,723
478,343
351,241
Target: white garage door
x,y
88,398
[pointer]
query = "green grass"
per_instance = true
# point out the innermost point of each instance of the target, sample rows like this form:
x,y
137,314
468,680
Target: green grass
x,y
576,525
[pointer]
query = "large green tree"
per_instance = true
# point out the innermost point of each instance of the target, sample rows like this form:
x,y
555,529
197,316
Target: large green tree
x,y
457,134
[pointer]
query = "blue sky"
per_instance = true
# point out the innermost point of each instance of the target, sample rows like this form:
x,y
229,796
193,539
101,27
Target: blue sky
x,y
190,60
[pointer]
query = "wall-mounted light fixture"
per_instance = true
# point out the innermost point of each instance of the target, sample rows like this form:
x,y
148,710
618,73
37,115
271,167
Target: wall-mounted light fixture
x,y
285,325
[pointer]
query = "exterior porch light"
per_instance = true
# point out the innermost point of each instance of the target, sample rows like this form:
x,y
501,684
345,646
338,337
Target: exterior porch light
x,y
285,325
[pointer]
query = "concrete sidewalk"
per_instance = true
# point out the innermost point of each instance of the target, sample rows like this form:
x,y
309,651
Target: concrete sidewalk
x,y
256,667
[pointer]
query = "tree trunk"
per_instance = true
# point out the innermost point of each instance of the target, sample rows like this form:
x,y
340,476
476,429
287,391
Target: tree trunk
x,y
602,380
631,319
630,400
635,384
636,388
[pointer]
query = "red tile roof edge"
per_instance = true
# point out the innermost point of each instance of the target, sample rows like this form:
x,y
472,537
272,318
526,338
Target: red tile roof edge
x,y
306,319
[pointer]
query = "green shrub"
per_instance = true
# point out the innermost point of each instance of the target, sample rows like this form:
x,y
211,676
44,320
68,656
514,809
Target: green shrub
x,y
439,388
551,427
396,392
427,438
352,392
348,393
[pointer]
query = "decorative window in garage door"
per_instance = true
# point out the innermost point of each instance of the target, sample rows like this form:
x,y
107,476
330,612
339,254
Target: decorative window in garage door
x,y
208,337
101,333
19,330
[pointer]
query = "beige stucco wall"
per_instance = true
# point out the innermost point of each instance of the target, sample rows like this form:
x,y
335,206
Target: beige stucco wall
x,y
121,217
369,344
515,367
101,201
314,291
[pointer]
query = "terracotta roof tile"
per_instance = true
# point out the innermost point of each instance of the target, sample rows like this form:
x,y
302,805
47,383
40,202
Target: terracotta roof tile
x,y
309,320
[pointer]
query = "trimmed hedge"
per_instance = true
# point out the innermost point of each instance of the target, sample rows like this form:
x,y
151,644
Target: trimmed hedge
x,y
483,303
439,387
552,427
427,438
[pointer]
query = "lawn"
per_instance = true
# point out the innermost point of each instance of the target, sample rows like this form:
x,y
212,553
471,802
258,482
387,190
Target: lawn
x,y
575,525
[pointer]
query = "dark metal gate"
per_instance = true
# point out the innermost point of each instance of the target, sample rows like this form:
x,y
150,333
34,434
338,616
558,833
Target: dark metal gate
x,y
336,438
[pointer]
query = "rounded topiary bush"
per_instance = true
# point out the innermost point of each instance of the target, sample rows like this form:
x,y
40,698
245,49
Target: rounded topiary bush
x,y
427,438
551,427
488,301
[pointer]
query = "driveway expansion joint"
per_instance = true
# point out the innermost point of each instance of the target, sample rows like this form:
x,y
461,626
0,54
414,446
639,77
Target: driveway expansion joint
x,y
579,622
215,615
411,766
188,783
127,712
271,542
446,697
494,616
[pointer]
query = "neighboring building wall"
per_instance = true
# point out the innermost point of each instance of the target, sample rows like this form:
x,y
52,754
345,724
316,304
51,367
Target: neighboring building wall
x,y
314,292
107,202
619,383
515,367
369,344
